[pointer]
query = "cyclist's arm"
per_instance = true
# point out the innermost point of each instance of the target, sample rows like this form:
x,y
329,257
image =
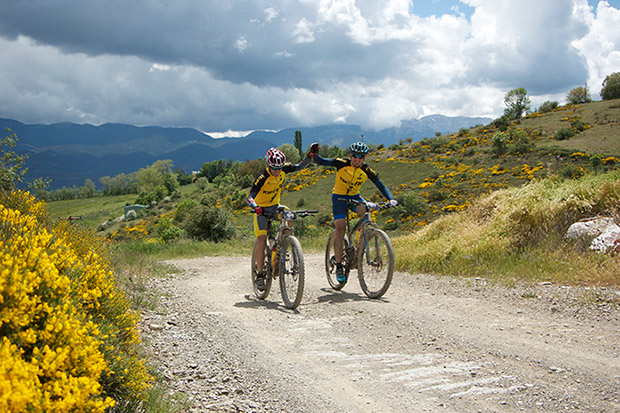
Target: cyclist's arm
x,y
323,161
297,167
383,189
254,190
372,175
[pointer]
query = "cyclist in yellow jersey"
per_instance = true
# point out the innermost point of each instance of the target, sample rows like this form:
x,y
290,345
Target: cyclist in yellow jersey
x,y
264,198
351,174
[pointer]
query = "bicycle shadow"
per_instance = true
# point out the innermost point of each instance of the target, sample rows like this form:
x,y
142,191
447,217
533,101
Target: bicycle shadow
x,y
254,303
335,296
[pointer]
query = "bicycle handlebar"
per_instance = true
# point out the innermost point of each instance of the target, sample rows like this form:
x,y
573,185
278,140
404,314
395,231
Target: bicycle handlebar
x,y
369,205
301,212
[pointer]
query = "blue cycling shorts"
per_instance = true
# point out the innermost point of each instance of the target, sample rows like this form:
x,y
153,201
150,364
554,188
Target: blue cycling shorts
x,y
339,208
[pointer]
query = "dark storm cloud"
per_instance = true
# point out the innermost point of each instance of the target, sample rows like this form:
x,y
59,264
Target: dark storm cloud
x,y
219,65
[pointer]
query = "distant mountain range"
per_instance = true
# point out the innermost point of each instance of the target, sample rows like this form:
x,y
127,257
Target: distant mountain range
x,y
70,153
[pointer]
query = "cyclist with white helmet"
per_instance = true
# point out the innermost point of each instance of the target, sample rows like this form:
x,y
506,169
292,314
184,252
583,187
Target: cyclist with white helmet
x,y
351,174
264,198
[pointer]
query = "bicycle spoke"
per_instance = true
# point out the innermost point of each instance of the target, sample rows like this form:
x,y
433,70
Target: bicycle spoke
x,y
377,265
292,272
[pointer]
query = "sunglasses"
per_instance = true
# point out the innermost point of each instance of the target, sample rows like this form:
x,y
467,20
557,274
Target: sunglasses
x,y
358,155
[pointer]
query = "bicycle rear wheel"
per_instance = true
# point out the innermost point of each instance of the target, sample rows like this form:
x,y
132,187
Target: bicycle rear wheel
x,y
291,272
330,262
376,265
262,294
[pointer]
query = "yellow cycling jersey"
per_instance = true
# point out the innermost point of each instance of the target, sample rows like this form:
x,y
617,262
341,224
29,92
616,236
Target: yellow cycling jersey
x,y
349,179
266,188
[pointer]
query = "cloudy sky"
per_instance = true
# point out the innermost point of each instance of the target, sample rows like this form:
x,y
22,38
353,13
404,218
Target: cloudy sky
x,y
242,65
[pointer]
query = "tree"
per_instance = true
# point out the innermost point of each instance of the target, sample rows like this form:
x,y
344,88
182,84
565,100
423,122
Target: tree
x,y
213,169
40,187
88,190
12,169
298,143
291,153
517,103
611,87
159,175
119,184
579,95
248,171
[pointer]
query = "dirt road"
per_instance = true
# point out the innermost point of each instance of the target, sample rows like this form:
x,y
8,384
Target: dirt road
x,y
431,344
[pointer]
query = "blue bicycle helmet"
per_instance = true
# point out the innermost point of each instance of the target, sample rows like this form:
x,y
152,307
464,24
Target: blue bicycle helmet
x,y
359,147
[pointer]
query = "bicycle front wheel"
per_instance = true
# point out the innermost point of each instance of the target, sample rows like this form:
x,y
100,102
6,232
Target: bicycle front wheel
x,y
376,265
291,272
262,294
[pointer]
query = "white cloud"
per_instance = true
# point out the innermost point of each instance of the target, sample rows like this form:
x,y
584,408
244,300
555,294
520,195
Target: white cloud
x,y
241,44
271,13
601,45
303,32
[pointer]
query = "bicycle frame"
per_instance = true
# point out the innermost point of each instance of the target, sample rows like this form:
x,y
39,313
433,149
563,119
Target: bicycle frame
x,y
362,225
286,218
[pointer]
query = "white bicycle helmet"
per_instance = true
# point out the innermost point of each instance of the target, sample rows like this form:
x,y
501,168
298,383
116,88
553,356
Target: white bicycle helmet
x,y
275,158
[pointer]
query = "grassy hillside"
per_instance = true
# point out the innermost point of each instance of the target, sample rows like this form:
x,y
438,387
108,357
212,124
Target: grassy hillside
x,y
435,179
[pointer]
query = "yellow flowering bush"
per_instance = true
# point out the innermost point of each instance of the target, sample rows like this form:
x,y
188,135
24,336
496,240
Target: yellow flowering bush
x,y
67,335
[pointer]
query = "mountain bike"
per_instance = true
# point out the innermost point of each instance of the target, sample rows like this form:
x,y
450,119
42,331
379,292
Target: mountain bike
x,y
366,248
284,258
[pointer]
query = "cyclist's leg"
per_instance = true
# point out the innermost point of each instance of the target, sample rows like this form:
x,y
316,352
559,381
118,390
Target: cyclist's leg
x,y
360,209
339,238
260,231
339,210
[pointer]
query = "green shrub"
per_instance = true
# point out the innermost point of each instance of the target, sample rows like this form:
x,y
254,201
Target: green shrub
x,y
324,219
520,141
437,144
578,125
411,204
548,106
147,198
167,231
208,224
564,134
391,225
502,123
183,209
572,171
303,227
500,142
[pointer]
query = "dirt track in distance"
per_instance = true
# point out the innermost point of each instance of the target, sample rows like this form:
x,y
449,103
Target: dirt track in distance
x,y
431,344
